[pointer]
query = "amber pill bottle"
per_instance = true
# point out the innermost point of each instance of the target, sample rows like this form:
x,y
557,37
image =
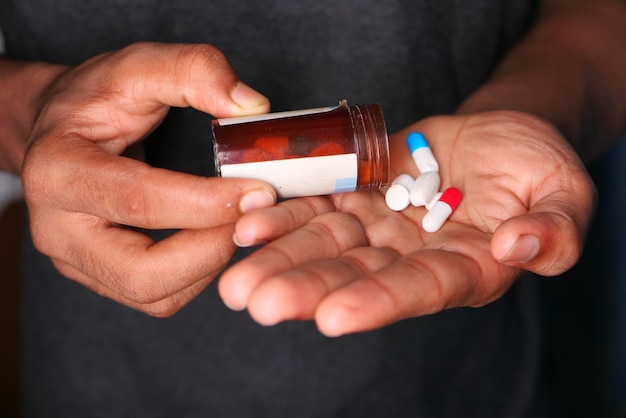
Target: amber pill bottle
x,y
306,152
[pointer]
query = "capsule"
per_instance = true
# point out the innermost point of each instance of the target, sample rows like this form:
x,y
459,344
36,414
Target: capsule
x,y
434,200
425,188
398,196
441,210
421,153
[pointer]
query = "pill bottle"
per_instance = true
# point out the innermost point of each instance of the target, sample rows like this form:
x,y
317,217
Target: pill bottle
x,y
306,152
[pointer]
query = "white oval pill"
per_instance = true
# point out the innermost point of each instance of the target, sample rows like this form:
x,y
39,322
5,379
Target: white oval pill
x,y
425,188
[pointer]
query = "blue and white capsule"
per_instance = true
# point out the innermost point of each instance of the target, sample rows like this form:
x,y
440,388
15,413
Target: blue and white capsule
x,y
421,153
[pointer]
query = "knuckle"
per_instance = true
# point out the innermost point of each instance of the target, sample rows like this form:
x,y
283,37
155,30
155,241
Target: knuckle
x,y
561,251
567,258
203,59
163,309
40,239
206,55
35,183
186,56
133,204
148,295
141,288
133,50
134,207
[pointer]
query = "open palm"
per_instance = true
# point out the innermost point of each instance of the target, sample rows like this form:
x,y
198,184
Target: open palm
x,y
352,264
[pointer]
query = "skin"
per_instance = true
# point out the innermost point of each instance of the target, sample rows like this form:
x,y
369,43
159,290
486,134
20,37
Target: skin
x,y
352,265
345,261
83,197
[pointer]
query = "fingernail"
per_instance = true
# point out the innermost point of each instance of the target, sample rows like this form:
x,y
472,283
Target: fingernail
x,y
524,250
256,199
247,98
239,243
245,244
233,307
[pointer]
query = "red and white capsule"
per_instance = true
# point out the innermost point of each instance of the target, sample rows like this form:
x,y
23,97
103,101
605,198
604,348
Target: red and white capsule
x,y
434,200
441,210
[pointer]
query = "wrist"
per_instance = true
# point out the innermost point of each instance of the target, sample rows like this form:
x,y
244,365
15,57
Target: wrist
x,y
536,94
567,71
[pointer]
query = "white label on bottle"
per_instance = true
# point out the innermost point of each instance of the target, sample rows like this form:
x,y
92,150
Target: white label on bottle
x,y
275,115
309,176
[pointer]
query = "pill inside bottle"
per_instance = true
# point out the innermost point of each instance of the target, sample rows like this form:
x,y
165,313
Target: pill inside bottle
x,y
306,152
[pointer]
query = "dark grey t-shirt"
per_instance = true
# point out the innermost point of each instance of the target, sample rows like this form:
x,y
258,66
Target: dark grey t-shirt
x,y
87,356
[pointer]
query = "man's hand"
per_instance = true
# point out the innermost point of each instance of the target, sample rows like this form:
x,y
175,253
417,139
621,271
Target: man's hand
x,y
87,203
352,264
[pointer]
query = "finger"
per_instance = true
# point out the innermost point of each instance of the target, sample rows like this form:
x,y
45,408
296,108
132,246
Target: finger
x,y
266,224
196,75
130,263
129,192
116,98
296,294
421,283
548,241
163,308
326,237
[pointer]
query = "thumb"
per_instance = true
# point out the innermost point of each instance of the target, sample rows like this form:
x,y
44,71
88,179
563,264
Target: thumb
x,y
196,75
547,241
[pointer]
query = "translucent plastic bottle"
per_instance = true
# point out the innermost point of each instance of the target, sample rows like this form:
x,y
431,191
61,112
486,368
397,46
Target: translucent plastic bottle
x,y
306,152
